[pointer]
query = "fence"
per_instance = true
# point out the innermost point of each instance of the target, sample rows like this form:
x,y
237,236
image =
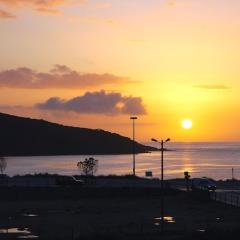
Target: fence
x,y
230,198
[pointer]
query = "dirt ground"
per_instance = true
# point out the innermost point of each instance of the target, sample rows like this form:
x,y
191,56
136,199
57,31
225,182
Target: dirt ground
x,y
111,217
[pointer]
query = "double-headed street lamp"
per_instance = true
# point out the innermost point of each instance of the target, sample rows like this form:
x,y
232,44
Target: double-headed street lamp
x,y
133,120
162,179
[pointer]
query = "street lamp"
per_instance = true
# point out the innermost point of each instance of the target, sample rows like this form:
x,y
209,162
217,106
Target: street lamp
x,y
162,179
133,122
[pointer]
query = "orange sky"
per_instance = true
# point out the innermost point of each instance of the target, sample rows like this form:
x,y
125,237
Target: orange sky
x,y
166,60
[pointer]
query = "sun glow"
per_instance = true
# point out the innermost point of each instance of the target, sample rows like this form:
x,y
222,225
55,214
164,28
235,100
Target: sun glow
x,y
187,124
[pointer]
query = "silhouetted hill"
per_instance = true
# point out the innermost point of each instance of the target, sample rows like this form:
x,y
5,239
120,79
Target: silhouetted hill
x,y
27,137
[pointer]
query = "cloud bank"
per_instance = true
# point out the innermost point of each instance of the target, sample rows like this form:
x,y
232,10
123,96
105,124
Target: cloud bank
x,y
36,3
96,103
212,87
5,15
60,76
45,6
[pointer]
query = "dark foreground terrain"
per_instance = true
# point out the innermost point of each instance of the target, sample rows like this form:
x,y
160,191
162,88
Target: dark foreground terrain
x,y
112,213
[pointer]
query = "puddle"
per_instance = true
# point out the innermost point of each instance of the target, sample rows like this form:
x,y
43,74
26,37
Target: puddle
x,y
28,237
23,232
167,219
15,230
30,215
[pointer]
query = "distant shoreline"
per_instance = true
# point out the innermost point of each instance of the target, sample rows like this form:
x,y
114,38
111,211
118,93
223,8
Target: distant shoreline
x,y
87,154
90,154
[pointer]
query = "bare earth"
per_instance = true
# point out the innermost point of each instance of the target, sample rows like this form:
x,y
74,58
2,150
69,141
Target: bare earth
x,y
115,217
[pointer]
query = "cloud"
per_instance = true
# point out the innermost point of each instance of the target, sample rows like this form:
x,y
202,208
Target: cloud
x,y
60,76
171,3
43,6
103,5
48,10
212,87
177,3
6,15
92,20
96,103
36,3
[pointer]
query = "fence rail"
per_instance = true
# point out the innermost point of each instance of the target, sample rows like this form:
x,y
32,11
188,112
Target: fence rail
x,y
230,198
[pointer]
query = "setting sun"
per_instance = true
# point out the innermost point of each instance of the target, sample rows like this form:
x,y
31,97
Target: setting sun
x,y
187,124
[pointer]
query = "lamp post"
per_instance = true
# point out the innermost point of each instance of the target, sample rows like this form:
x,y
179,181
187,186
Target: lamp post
x,y
133,122
162,179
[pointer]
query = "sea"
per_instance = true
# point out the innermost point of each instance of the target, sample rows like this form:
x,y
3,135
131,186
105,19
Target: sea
x,y
217,160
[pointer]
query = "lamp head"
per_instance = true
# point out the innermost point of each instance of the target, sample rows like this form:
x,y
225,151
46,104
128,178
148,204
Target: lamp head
x,y
154,140
168,140
133,118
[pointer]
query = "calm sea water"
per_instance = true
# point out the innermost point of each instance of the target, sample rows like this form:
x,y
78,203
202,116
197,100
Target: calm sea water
x,y
214,160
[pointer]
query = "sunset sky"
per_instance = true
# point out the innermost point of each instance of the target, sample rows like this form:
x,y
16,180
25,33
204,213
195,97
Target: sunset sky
x,y
94,63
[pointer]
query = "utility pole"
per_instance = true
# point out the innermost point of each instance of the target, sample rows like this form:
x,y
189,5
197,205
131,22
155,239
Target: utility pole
x,y
134,150
162,188
162,180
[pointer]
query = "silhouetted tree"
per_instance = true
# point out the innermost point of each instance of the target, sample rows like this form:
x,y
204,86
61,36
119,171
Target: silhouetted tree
x,y
88,167
3,164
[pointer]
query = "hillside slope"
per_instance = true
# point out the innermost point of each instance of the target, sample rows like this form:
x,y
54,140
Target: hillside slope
x,y
28,137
